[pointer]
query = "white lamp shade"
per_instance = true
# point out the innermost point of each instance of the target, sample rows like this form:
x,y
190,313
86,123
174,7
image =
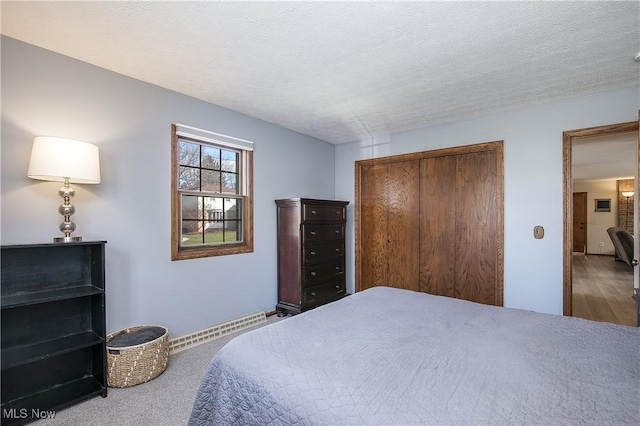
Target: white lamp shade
x,y
627,193
55,159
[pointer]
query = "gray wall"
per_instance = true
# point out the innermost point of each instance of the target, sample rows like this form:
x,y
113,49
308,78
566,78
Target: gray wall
x,y
533,181
46,94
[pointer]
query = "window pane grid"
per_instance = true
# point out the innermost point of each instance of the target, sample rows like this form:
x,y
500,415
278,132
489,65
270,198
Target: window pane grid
x,y
208,168
211,220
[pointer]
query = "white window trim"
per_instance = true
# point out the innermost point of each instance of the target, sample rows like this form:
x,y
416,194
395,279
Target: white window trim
x,y
212,137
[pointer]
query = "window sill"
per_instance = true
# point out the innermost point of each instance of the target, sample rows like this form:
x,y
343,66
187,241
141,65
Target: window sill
x,y
184,253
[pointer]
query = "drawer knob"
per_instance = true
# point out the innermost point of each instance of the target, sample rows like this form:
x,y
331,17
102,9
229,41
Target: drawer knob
x,y
337,250
313,253
313,212
337,268
313,273
337,231
312,293
338,287
338,212
312,233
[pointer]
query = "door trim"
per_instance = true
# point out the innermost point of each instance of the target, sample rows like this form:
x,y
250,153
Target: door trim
x,y
567,142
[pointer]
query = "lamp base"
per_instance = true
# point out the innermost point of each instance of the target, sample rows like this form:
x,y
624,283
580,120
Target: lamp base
x,y
67,239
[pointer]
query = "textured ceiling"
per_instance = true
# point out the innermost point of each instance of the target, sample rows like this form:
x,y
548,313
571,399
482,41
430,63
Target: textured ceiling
x,y
347,71
605,157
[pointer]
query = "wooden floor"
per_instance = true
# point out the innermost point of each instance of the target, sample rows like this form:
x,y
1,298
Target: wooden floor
x,y
603,290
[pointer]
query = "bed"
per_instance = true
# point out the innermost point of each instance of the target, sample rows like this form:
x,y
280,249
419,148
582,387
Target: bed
x,y
386,356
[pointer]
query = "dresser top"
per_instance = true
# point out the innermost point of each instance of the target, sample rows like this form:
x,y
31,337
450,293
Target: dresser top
x,y
296,201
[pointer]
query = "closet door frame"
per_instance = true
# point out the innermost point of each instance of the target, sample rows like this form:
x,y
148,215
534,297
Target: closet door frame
x,y
496,146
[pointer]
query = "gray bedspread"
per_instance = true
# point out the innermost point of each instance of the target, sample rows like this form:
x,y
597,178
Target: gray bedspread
x,y
396,357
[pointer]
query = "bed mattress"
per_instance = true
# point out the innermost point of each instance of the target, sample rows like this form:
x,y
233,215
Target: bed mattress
x,y
386,356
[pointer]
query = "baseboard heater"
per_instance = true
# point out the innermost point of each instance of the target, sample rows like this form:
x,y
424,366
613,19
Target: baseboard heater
x,y
188,341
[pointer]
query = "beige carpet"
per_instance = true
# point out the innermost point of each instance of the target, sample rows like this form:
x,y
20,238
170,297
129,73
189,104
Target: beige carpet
x,y
165,400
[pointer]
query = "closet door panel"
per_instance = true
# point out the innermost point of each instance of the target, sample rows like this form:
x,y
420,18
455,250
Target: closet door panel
x,y
432,221
404,224
438,225
476,228
373,227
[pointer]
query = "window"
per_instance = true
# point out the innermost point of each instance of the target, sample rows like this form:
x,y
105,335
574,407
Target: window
x,y
211,194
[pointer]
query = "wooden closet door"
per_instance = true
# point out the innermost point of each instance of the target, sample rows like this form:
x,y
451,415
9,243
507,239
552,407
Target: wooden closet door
x,y
389,240
432,221
404,225
438,225
372,238
478,184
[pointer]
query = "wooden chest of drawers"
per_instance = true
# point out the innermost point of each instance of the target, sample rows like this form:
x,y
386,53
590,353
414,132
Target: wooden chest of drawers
x,y
311,245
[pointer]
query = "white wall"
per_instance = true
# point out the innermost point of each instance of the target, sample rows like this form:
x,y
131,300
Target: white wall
x,y
44,93
598,222
533,181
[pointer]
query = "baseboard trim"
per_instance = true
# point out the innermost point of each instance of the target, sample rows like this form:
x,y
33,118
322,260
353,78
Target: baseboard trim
x,y
192,340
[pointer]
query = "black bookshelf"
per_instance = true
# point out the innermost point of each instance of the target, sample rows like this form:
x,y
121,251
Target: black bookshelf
x,y
52,343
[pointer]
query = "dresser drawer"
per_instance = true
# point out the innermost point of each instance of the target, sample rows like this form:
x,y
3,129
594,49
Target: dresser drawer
x,y
313,213
322,271
330,289
320,252
312,233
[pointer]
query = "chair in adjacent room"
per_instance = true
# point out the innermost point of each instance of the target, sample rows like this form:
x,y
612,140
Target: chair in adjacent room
x,y
623,243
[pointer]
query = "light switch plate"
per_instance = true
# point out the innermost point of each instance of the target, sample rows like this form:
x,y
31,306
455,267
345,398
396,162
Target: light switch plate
x,y
538,232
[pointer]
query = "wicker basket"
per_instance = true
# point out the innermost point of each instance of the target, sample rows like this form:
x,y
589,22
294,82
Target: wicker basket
x,y
132,365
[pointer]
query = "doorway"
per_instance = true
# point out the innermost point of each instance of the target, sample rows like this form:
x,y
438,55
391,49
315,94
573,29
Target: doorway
x,y
580,222
569,138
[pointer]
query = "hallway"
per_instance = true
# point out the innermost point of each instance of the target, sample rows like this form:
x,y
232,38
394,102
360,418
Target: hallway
x,y
603,290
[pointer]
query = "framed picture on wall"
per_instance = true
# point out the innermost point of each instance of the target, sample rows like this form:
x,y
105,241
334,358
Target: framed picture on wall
x,y
603,204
